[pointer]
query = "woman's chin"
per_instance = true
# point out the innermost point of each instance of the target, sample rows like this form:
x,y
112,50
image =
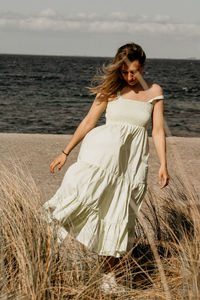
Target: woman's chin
x,y
132,83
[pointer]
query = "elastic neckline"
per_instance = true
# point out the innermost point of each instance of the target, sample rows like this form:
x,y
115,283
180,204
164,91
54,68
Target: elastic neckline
x,y
130,100
126,99
119,97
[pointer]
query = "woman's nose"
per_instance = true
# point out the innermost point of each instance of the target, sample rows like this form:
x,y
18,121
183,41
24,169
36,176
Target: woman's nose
x,y
131,76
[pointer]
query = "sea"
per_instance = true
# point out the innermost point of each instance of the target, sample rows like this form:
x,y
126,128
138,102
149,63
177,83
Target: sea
x,y
50,95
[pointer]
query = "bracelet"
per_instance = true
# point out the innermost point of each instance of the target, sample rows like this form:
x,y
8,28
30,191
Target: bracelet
x,y
65,153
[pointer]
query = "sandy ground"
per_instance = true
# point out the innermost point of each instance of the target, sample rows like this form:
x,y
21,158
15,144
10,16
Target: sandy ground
x,y
34,152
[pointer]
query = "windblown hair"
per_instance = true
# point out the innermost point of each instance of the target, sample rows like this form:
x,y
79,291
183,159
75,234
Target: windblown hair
x,y
111,80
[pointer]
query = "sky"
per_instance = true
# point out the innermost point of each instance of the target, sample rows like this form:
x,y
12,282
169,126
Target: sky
x,y
165,29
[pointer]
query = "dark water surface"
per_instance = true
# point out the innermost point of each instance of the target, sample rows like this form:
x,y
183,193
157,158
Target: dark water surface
x,y
48,94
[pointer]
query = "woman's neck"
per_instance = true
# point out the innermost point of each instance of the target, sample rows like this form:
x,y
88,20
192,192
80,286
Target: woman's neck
x,y
135,88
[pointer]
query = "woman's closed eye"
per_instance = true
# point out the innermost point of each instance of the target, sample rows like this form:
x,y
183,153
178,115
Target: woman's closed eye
x,y
131,72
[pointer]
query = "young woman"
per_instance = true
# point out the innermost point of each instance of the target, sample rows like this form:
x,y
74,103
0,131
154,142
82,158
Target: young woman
x,y
102,192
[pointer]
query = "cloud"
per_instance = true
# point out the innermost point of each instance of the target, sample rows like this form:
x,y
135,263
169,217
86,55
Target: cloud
x,y
47,13
117,22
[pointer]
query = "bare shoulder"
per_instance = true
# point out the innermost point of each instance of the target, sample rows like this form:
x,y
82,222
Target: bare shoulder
x,y
112,98
100,98
104,98
156,89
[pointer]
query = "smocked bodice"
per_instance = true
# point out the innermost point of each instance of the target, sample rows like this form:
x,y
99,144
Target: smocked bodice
x,y
129,111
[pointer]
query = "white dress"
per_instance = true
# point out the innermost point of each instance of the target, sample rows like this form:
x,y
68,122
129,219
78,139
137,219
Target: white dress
x,y
102,191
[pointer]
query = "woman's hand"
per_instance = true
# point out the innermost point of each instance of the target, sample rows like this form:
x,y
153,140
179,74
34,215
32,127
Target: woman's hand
x,y
163,176
60,161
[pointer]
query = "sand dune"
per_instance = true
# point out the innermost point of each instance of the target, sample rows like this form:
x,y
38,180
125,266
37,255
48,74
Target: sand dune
x,y
34,152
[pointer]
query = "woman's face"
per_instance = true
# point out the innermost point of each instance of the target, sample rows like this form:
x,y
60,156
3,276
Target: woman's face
x,y
128,72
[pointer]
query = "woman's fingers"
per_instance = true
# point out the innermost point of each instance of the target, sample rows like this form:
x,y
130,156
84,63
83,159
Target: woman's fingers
x,y
53,165
59,161
60,166
163,177
166,181
160,178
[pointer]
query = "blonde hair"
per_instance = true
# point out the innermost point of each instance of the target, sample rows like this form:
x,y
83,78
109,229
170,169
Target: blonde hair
x,y
111,80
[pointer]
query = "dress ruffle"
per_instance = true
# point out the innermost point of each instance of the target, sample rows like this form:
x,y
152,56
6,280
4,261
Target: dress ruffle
x,y
96,207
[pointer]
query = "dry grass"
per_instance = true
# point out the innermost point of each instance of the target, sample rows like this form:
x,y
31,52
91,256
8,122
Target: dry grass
x,y
164,262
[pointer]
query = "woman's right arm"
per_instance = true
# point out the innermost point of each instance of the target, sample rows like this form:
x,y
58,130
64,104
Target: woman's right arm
x,y
98,107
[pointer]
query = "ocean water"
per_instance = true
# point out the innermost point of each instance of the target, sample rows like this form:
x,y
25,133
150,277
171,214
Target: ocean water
x,y
48,94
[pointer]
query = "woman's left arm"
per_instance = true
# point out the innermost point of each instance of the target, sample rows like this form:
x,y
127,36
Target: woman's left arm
x,y
159,139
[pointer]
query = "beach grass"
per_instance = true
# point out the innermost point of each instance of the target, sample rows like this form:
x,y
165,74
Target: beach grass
x,y
163,264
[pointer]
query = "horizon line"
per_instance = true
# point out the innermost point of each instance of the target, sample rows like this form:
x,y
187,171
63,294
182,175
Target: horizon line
x,y
95,56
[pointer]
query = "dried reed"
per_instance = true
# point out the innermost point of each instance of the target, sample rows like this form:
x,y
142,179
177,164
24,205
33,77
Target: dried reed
x,y
163,264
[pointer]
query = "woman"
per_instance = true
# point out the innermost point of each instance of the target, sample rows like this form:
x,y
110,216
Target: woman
x,y
102,192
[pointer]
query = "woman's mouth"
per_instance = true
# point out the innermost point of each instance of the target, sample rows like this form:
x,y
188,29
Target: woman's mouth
x,y
131,82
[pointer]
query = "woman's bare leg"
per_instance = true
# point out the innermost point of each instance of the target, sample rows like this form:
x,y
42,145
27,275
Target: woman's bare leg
x,y
109,264
109,283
